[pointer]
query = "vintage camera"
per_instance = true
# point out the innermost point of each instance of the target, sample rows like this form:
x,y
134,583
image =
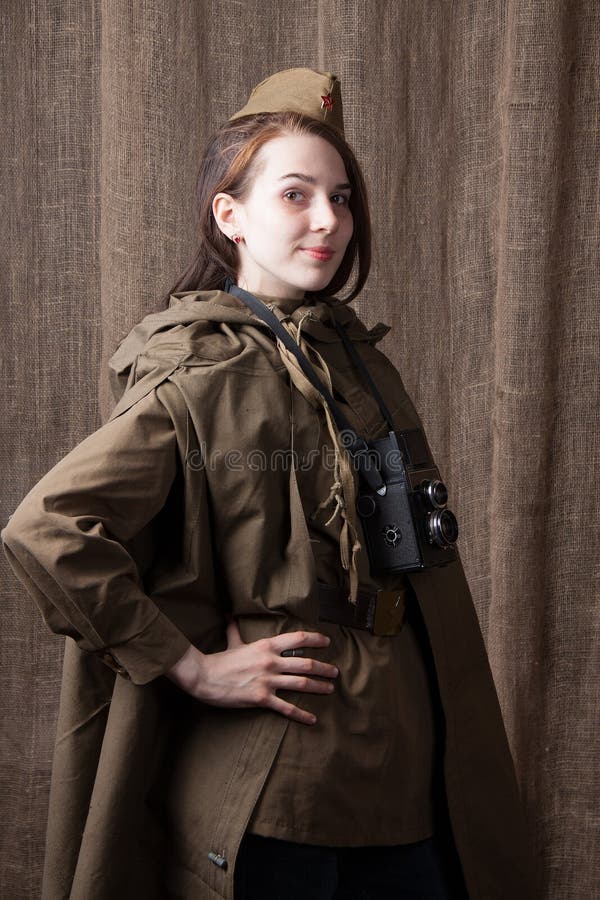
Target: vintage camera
x,y
406,523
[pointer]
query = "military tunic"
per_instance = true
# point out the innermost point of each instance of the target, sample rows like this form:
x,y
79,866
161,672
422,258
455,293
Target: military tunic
x,y
134,551
363,774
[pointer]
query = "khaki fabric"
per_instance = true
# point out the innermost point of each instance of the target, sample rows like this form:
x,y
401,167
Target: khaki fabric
x,y
291,91
134,555
376,731
477,125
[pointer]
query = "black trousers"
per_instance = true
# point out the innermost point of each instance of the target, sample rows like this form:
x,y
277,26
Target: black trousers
x,y
272,869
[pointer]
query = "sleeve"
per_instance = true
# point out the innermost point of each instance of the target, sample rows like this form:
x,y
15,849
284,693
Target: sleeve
x,y
67,540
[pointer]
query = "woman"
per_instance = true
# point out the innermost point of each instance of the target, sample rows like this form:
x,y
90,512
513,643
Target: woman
x,y
298,745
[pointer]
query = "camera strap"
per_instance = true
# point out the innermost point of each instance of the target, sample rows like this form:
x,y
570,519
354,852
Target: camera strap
x,y
356,445
362,368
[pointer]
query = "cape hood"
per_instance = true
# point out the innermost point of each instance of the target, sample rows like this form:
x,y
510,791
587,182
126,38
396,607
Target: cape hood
x,y
165,336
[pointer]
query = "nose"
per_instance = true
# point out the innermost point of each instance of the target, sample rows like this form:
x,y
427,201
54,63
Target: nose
x,y
324,216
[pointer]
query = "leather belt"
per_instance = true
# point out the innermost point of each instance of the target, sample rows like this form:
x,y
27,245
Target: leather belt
x,y
380,612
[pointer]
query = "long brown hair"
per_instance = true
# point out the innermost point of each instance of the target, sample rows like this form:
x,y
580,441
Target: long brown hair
x,y
229,165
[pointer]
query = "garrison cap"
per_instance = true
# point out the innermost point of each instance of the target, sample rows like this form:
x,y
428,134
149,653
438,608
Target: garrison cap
x,y
316,94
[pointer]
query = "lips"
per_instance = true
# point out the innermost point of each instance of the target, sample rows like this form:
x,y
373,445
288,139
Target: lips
x,y
322,253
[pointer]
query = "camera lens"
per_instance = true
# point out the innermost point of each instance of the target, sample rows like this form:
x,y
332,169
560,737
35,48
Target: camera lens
x,y
443,528
439,493
435,492
449,526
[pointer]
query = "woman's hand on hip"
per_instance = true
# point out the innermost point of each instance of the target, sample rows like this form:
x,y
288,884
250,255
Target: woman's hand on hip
x,y
250,674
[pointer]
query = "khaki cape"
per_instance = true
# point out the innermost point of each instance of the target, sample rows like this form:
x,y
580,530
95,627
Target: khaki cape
x,y
151,790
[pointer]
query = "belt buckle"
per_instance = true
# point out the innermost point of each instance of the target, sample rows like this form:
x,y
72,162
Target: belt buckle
x,y
389,612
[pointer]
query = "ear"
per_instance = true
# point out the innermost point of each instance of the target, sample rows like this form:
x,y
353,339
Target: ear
x,y
224,210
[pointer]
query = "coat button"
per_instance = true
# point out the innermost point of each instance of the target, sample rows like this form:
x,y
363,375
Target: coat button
x,y
218,859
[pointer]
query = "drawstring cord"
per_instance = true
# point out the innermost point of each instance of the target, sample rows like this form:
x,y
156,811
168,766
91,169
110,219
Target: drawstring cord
x,y
343,489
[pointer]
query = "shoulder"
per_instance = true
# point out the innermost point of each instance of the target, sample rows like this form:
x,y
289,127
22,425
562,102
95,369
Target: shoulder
x,y
354,325
197,331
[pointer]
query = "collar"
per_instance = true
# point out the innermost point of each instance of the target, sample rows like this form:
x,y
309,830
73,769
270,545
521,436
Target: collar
x,y
317,316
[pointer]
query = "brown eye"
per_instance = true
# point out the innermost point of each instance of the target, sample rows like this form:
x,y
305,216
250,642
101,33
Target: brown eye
x,y
287,194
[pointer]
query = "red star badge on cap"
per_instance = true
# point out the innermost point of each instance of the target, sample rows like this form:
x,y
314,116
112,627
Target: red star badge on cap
x,y
327,102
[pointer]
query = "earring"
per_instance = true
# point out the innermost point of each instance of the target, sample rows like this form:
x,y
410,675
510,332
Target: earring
x,y
237,238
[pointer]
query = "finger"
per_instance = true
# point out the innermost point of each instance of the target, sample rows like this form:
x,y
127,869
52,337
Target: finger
x,y
307,666
292,712
302,683
294,639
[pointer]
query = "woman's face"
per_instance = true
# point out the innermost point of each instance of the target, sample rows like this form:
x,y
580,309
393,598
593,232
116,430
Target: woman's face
x,y
298,201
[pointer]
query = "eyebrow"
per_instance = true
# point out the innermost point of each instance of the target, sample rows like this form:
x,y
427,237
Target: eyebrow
x,y
311,180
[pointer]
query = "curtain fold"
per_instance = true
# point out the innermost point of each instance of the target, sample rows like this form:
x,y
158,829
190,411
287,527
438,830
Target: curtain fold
x,y
478,128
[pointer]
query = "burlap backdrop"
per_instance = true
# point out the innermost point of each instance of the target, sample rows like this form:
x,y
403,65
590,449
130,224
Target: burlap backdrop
x,y
478,127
